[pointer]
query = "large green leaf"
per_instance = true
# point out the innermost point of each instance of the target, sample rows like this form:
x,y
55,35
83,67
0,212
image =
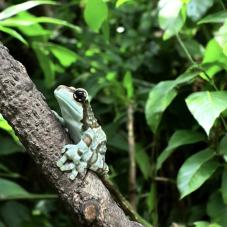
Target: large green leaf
x,y
221,37
197,8
222,148
64,55
8,146
15,9
214,54
13,33
205,224
46,63
179,138
95,13
217,209
122,2
195,171
206,107
218,17
143,162
15,22
34,29
10,189
171,16
14,214
162,95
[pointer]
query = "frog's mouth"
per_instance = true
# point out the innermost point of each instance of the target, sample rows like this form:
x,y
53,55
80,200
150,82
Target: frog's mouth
x,y
70,104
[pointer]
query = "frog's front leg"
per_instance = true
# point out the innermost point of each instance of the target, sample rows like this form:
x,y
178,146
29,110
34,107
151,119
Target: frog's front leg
x,y
75,156
72,153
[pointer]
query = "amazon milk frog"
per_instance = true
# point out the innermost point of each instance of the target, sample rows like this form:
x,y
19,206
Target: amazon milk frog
x,y
89,148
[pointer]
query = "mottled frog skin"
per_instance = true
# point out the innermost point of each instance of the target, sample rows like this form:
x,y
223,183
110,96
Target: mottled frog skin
x,y
89,148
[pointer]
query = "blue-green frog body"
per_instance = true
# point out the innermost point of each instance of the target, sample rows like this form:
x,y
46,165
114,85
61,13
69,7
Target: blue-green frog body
x,y
89,148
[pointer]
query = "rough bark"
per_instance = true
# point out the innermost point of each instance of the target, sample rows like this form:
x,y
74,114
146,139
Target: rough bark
x,y
88,200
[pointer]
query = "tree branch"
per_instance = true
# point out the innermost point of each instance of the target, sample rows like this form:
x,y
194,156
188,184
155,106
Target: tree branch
x,y
89,202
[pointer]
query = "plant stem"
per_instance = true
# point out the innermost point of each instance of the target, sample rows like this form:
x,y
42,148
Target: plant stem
x,y
132,162
185,49
164,180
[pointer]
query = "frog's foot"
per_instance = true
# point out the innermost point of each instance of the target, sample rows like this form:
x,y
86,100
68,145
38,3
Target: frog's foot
x,y
61,161
73,174
67,166
74,159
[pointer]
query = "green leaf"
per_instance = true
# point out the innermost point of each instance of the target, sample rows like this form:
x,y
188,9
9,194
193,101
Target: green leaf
x,y
15,22
10,189
5,126
45,62
143,162
171,16
201,224
64,55
179,138
218,17
95,13
224,186
14,214
216,209
122,2
214,54
162,95
15,9
34,29
159,99
151,202
221,37
205,224
222,148
128,84
195,171
8,146
197,8
206,107
14,34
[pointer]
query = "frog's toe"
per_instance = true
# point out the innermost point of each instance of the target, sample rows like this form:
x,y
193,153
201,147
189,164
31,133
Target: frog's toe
x,y
73,175
67,167
61,161
82,167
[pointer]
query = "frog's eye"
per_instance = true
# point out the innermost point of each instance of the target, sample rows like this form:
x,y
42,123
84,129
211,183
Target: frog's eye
x,y
80,95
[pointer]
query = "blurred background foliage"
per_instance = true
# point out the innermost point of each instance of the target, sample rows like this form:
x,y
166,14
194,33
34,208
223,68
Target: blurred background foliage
x,y
158,65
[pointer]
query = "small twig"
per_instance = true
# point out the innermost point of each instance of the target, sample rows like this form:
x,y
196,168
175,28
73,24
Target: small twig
x,y
164,180
132,162
10,175
185,49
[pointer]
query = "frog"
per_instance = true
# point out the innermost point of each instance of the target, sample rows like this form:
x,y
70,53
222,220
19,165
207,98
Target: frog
x,y
89,140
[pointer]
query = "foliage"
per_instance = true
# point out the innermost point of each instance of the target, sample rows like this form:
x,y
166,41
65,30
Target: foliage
x,y
167,59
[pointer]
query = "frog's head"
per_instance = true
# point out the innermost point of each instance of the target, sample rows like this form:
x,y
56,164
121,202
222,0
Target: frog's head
x,y
71,101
